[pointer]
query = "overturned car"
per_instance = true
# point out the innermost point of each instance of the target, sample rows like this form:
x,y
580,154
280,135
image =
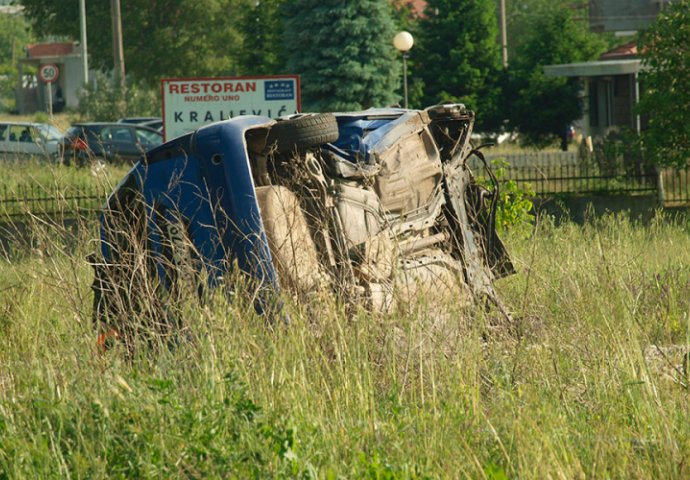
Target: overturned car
x,y
377,206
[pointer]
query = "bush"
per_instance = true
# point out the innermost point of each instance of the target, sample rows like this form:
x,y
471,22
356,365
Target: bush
x,y
514,209
102,100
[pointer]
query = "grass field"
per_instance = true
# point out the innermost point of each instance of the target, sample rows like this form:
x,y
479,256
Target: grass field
x,y
22,173
42,189
586,384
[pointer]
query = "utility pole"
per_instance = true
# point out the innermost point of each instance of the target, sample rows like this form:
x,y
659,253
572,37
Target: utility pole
x,y
118,53
84,52
504,35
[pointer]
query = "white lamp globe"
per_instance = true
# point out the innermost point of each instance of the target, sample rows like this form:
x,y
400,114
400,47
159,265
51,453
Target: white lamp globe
x,y
403,41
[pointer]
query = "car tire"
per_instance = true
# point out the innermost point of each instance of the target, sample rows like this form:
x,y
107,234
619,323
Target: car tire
x,y
303,132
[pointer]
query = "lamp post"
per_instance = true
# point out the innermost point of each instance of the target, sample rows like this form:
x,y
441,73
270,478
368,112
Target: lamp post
x,y
403,41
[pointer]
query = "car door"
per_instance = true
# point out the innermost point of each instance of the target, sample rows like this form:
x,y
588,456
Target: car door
x,y
147,139
47,138
4,140
20,142
119,143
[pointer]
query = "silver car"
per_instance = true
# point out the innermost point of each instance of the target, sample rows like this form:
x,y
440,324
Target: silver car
x,y
21,140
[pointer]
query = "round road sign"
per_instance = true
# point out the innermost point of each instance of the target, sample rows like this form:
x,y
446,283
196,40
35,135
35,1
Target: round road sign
x,y
49,72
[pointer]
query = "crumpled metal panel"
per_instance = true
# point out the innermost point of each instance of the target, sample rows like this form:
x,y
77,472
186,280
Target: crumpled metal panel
x,y
477,271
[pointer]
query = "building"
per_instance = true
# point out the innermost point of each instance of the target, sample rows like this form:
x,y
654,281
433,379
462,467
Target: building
x,y
610,88
623,15
610,85
32,94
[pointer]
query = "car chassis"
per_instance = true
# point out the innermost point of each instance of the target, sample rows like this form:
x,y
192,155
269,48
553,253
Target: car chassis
x,y
378,206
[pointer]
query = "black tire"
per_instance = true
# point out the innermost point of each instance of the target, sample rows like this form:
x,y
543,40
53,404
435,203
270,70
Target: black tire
x,y
303,132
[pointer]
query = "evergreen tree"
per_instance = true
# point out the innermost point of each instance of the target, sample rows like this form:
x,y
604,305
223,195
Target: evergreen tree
x,y
406,16
344,53
457,56
261,29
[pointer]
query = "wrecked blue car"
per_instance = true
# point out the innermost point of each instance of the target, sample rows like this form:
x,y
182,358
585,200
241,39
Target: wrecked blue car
x,y
378,206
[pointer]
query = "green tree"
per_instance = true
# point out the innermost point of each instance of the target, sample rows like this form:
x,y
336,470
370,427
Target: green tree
x,y
457,56
665,48
103,100
343,51
542,107
260,27
162,38
523,16
406,16
14,36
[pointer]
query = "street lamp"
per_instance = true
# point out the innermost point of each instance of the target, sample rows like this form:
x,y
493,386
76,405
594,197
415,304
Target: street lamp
x,y
403,41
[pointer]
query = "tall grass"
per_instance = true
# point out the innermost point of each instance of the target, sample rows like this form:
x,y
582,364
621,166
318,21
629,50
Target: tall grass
x,y
41,173
587,383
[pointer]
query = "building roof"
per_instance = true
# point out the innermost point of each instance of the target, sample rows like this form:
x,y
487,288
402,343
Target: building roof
x,y
627,51
39,50
416,6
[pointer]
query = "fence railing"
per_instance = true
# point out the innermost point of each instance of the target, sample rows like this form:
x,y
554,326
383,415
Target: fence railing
x,y
675,186
536,158
566,173
543,174
41,200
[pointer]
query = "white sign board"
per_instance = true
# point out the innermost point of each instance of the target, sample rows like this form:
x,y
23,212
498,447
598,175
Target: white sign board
x,y
189,103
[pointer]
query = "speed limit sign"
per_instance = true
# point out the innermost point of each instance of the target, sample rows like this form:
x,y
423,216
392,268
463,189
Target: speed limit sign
x,y
49,73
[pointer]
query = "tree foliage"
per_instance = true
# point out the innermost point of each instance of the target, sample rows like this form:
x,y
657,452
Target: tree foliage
x,y
406,17
665,48
260,25
162,38
542,107
102,100
343,51
14,36
457,56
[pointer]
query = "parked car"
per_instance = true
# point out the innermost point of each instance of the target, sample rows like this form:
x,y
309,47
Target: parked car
x,y
26,139
152,122
377,206
107,142
137,120
156,124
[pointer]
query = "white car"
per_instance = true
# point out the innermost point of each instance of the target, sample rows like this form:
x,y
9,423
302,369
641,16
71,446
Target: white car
x,y
21,140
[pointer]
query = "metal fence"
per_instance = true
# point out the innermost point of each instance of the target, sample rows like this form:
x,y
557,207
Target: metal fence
x,y
540,173
41,200
675,187
567,174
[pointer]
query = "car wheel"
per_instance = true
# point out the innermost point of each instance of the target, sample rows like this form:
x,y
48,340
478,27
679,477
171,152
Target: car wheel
x,y
303,132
